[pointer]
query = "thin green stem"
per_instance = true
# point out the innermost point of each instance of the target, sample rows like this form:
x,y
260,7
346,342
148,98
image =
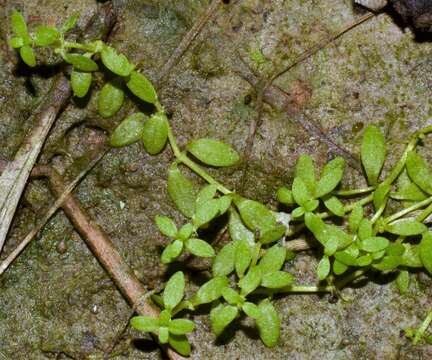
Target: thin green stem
x,y
350,278
378,213
406,211
74,45
424,214
182,157
354,191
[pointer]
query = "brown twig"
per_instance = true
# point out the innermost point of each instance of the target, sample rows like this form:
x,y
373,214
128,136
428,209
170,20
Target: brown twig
x,y
103,249
50,212
314,49
16,173
187,41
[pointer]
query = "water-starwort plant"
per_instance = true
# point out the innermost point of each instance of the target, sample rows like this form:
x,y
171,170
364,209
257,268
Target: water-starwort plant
x,y
356,236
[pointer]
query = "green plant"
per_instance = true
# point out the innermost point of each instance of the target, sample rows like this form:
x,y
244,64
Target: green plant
x,y
249,270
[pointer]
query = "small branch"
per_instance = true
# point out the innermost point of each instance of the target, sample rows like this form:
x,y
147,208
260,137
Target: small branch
x,y
187,40
57,204
314,49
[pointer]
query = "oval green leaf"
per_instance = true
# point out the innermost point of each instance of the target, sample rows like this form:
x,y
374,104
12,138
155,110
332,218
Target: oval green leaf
x,y
155,133
373,152
182,191
81,62
110,99
174,290
128,131
142,88
80,82
213,152
117,63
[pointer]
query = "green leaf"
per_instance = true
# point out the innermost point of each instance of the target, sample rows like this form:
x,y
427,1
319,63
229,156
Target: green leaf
x,y
70,23
172,252
407,190
182,191
301,193
298,212
330,177
411,256
166,226
80,82
28,56
16,42
277,279
305,171
110,99
231,296
181,326
142,88
380,195
155,133
251,310
221,316
311,205
250,281
388,263
377,255
174,290
268,323
81,62
237,230
128,131
207,193
406,227
255,215
373,152
335,206
374,244
426,251
205,212
213,152
180,344
185,232
224,204
199,248
355,218
46,35
327,234
224,261
364,260
211,290
339,268
163,335
164,317
273,259
419,171
365,229
117,63
285,196
272,235
243,257
19,27
345,258
323,268
395,249
144,323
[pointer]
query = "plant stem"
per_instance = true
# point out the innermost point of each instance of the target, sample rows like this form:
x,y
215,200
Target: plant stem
x,y
354,191
74,45
422,329
351,277
408,210
182,157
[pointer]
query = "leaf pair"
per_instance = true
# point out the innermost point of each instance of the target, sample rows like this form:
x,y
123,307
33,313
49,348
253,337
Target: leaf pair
x,y
182,240
169,330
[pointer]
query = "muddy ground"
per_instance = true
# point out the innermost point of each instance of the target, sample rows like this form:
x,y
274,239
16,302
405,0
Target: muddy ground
x,y
57,302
